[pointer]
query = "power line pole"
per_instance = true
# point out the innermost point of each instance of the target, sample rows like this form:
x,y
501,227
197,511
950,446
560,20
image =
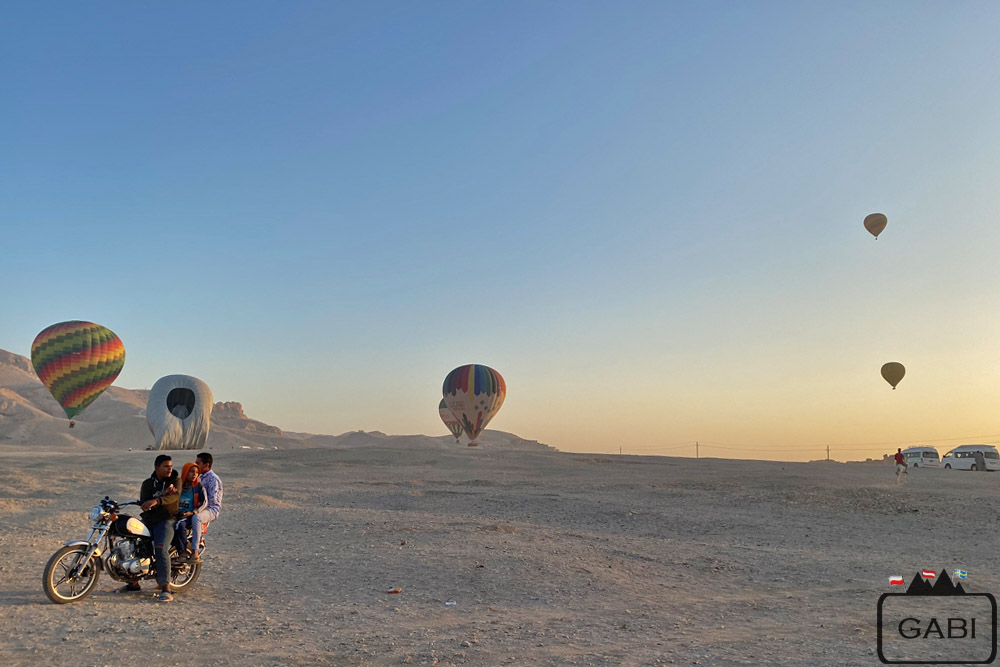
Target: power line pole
x,y
696,450
828,452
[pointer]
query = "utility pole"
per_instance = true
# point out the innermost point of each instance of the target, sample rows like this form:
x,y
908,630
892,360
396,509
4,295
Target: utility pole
x,y
619,450
828,452
696,449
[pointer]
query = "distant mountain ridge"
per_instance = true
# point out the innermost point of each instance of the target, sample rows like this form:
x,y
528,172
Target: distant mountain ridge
x,y
30,416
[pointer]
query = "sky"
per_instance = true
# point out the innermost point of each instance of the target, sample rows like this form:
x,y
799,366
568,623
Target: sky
x,y
647,216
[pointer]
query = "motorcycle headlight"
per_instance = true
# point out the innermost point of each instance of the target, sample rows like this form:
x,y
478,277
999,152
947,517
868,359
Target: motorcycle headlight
x,y
95,513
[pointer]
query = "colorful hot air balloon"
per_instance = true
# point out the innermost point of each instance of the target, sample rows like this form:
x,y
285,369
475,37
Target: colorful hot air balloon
x,y
77,361
449,420
474,394
893,372
875,224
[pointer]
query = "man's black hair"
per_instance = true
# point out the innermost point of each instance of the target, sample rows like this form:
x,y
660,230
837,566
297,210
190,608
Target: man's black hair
x,y
160,459
206,457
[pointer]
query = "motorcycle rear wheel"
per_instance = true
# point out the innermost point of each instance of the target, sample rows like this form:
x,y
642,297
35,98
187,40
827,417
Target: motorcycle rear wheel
x,y
58,585
183,576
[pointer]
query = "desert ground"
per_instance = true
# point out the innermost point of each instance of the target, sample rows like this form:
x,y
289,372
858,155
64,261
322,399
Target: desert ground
x,y
550,558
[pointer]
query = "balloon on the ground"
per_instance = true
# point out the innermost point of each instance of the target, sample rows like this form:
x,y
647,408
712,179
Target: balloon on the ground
x,y
450,420
893,372
875,224
77,361
179,412
474,393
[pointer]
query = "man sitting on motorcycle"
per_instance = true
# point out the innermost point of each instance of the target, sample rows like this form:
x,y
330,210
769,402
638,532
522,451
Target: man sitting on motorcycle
x,y
213,488
160,496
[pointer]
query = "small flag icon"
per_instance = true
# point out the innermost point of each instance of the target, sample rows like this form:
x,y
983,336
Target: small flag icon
x,y
928,574
961,574
896,581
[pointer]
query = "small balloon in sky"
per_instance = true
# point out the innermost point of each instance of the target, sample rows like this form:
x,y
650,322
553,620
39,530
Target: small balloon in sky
x,y
474,393
77,361
450,420
875,224
893,372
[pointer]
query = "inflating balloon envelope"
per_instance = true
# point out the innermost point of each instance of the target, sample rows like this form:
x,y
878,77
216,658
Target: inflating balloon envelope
x,y
77,361
474,393
179,412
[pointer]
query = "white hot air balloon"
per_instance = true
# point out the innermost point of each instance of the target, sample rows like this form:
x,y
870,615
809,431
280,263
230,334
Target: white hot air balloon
x,y
450,420
179,412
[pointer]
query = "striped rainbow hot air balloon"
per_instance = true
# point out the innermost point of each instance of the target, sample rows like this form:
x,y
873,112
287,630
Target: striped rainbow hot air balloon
x,y
77,361
474,393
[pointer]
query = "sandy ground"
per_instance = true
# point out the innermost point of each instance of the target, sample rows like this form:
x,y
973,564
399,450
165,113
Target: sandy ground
x,y
551,559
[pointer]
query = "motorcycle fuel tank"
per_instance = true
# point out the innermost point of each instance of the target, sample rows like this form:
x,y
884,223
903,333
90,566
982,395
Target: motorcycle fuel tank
x,y
137,527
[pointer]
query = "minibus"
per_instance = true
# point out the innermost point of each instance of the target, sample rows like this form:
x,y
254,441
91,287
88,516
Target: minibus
x,y
964,457
921,457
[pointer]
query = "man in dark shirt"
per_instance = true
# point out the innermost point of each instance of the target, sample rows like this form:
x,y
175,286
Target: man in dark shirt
x,y
160,496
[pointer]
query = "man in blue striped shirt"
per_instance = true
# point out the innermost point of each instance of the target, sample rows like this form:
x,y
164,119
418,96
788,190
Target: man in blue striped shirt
x,y
213,489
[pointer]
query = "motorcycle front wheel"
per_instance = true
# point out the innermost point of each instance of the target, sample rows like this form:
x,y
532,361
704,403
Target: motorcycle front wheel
x,y
57,580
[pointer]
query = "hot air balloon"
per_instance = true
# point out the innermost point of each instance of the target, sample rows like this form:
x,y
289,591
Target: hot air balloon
x,y
449,420
77,361
875,223
893,372
474,394
179,412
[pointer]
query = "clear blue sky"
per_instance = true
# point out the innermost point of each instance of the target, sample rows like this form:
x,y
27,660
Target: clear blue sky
x,y
645,215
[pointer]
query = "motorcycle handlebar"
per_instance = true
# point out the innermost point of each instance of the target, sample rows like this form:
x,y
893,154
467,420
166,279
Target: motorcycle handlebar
x,y
118,504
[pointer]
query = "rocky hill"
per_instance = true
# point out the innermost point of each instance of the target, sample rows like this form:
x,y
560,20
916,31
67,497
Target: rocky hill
x,y
230,414
29,416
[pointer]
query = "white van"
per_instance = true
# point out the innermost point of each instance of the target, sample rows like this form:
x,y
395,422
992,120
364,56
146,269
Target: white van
x,y
921,457
964,457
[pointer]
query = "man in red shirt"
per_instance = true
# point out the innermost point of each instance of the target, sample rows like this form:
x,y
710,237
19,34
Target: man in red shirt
x,y
900,467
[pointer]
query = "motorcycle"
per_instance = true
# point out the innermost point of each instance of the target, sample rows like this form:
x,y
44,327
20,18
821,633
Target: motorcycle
x,y
72,572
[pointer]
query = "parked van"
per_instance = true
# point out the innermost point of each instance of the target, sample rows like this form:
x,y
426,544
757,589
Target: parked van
x,y
964,457
921,457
